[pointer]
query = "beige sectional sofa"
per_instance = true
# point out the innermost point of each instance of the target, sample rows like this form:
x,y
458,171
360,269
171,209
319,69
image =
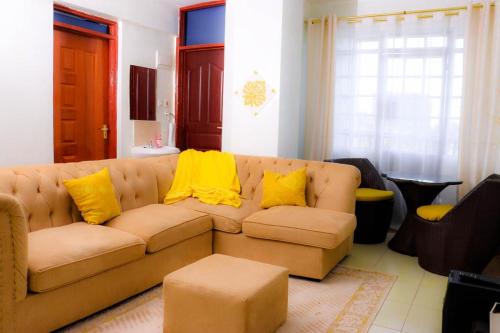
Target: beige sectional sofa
x,y
55,269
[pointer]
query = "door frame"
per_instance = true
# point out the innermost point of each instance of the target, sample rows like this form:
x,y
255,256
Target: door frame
x,y
181,51
112,38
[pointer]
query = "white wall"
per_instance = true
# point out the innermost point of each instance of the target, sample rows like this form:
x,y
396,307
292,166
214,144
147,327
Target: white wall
x,y
139,46
263,36
319,8
26,68
252,42
26,82
156,14
291,121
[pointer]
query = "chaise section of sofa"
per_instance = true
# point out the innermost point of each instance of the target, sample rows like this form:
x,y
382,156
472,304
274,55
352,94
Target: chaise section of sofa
x,y
277,235
56,269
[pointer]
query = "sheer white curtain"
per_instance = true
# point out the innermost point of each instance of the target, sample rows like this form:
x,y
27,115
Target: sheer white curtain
x,y
480,130
320,83
399,92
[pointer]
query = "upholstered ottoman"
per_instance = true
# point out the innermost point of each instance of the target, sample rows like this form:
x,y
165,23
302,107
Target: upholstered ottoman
x,y
223,294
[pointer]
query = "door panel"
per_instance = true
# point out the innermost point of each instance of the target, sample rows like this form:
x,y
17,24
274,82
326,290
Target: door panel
x,y
81,73
216,79
202,83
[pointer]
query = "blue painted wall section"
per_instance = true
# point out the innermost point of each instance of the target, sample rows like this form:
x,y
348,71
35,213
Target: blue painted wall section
x,y
205,26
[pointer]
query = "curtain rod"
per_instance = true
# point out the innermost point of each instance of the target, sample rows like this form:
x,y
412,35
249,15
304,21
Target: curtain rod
x,y
406,12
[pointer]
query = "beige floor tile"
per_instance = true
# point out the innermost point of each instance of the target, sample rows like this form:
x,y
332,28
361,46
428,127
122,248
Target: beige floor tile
x,y
365,256
380,329
392,315
414,304
365,262
434,280
405,289
405,266
431,291
423,319
430,296
402,258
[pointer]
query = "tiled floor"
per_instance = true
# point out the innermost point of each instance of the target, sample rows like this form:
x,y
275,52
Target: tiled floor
x,y
415,302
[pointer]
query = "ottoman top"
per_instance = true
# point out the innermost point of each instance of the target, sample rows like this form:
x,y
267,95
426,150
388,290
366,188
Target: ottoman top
x,y
226,275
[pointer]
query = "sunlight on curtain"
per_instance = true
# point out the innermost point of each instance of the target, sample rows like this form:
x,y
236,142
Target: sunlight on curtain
x,y
320,83
480,134
398,93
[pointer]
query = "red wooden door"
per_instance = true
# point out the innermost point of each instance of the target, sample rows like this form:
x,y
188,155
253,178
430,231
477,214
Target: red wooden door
x,y
201,105
80,97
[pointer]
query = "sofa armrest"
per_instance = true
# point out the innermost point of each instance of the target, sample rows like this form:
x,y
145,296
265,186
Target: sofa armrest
x,y
337,188
13,259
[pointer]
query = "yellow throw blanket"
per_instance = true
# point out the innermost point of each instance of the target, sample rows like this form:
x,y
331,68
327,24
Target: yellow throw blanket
x,y
209,176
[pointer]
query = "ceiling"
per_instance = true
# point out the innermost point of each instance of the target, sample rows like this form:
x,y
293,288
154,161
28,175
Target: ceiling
x,y
182,3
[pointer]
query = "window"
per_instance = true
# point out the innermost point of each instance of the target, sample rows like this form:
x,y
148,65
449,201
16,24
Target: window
x,y
398,93
67,18
205,25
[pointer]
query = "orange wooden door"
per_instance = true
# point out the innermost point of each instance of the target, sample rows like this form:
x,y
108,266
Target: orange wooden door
x,y
81,74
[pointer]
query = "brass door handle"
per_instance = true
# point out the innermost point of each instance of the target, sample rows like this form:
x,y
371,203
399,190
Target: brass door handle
x,y
105,130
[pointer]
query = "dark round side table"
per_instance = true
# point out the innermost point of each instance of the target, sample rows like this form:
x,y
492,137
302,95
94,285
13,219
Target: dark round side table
x,y
417,191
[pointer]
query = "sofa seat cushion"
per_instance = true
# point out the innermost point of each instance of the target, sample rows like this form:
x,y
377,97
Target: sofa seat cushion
x,y
62,255
161,226
225,218
301,225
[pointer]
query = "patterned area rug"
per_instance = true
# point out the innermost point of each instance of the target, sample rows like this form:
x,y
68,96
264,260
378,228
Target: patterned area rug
x,y
346,301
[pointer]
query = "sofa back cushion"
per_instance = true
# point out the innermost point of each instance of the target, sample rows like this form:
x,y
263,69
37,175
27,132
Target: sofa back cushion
x,y
140,182
329,185
164,170
46,202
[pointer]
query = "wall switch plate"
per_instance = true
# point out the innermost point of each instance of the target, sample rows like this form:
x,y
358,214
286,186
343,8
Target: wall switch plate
x,y
162,61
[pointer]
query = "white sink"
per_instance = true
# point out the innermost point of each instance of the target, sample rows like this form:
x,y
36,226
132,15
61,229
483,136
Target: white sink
x,y
145,151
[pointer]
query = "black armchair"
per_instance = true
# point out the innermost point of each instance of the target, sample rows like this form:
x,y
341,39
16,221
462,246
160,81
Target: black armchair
x,y
467,237
374,203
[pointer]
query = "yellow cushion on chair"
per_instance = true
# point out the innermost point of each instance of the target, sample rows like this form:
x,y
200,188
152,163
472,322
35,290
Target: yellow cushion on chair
x,y
371,194
433,212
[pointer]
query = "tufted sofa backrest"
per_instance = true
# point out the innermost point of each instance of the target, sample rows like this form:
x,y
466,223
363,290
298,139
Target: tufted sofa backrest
x,y
329,185
46,203
139,182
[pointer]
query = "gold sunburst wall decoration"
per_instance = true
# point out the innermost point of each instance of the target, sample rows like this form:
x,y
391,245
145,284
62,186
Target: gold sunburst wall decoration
x,y
256,93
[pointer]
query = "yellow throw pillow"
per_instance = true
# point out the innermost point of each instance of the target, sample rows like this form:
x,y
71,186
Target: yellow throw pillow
x,y
280,190
94,196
